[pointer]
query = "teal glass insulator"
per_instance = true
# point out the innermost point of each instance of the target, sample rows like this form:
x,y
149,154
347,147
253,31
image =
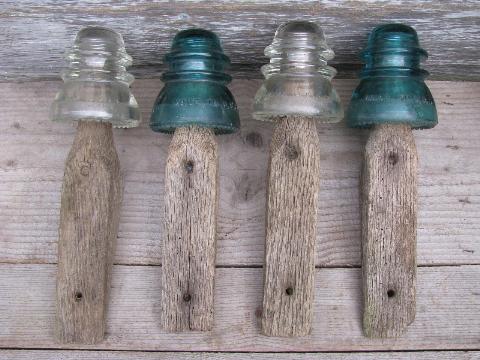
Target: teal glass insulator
x,y
392,88
195,91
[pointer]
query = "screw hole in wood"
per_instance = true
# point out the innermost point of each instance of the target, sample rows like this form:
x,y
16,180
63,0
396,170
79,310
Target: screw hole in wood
x,y
291,152
78,296
392,158
289,291
187,297
390,293
189,166
85,170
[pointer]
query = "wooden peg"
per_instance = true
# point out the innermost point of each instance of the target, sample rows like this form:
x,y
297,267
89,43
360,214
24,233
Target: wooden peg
x,y
191,196
392,99
89,216
296,94
389,226
196,104
293,183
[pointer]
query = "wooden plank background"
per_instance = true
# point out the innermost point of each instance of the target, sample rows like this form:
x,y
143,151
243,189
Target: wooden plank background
x,y
129,355
34,151
35,33
31,168
33,39
448,314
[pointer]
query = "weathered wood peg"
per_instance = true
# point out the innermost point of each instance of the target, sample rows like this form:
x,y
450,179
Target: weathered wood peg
x,y
195,104
296,94
96,96
393,99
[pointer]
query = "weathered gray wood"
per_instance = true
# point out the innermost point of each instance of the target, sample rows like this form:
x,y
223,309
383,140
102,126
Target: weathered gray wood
x,y
190,230
34,151
293,182
389,231
89,215
35,34
129,355
448,315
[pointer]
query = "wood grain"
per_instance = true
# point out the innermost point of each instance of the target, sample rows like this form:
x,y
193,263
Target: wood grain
x,y
190,230
293,182
89,215
389,230
34,151
448,315
35,34
129,355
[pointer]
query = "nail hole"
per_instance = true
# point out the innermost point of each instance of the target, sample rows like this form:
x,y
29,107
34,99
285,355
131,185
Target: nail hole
x,y
289,291
291,152
254,139
391,293
187,297
85,170
392,158
78,296
189,166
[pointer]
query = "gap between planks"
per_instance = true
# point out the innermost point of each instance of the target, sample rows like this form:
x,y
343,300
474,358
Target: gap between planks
x,y
59,354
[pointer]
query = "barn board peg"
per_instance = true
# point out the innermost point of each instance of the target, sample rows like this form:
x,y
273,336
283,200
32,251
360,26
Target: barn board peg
x,y
296,94
195,104
96,96
392,98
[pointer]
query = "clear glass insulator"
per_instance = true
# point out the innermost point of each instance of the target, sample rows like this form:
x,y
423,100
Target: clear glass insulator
x,y
298,79
96,83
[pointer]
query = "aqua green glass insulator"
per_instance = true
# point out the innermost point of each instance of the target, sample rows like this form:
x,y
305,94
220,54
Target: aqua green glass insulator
x,y
392,89
195,91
